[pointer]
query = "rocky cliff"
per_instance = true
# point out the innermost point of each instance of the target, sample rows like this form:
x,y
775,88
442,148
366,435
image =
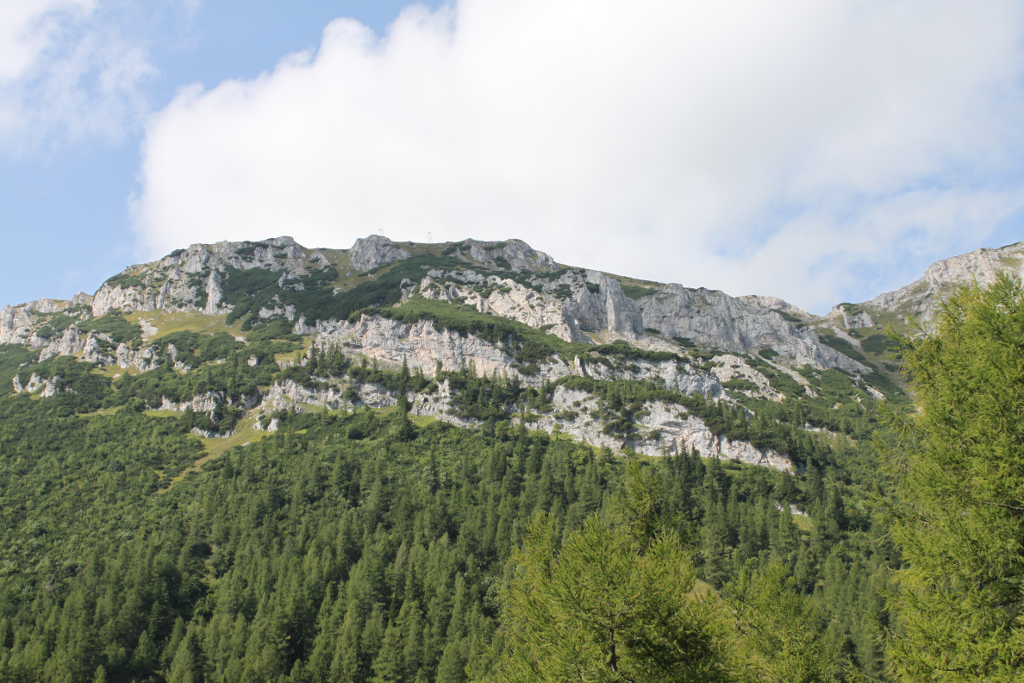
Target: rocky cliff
x,y
921,298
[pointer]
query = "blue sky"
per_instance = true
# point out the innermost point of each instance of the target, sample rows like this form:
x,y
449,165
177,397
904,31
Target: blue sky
x,y
821,153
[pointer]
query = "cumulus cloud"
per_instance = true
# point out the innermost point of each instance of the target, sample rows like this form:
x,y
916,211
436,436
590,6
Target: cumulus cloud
x,y
73,69
797,148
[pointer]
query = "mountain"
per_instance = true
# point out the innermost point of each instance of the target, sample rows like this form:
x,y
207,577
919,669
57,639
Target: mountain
x,y
260,461
499,308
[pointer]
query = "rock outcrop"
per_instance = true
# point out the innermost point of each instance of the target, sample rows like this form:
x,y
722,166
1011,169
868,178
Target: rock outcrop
x,y
420,346
207,402
19,323
921,299
564,306
68,344
190,279
739,325
849,317
664,428
514,255
374,251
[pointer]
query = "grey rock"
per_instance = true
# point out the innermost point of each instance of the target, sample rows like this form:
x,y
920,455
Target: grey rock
x,y
176,282
373,251
850,317
143,359
922,298
516,253
68,344
739,325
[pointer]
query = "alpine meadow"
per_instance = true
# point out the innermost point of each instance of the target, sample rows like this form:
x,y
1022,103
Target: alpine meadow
x,y
441,463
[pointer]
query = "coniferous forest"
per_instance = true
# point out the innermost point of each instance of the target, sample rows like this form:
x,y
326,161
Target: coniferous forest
x,y
370,545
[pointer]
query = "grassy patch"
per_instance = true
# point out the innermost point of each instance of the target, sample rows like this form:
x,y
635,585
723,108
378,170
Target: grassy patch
x,y
422,420
803,523
842,346
216,447
637,291
162,413
112,371
167,323
101,411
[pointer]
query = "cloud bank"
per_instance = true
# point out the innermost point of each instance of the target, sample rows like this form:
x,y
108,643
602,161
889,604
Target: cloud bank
x,y
802,149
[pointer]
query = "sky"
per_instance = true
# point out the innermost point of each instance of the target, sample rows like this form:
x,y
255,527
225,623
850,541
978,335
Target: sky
x,y
820,152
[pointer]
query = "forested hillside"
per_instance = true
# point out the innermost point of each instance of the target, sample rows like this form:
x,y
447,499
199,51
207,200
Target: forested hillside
x,y
257,462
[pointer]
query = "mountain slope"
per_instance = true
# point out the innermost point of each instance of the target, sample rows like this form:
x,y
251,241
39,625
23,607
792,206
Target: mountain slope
x,y
501,309
279,463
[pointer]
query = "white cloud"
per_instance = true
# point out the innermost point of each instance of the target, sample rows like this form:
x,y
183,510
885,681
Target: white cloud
x,y
25,29
71,70
794,148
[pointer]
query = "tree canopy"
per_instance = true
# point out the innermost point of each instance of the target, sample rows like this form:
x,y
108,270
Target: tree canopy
x,y
957,508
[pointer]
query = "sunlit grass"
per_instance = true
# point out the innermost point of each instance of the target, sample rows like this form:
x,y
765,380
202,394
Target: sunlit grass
x,y
217,446
168,322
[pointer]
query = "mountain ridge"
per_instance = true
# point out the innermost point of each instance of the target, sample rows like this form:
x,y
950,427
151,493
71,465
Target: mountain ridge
x,y
497,309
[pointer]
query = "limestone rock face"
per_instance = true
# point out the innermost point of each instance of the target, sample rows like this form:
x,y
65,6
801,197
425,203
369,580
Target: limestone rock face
x,y
581,303
850,317
81,299
921,298
16,324
733,367
48,305
143,359
69,343
665,428
191,280
739,325
678,431
565,306
50,387
373,251
214,293
419,345
607,309
207,402
91,352
516,255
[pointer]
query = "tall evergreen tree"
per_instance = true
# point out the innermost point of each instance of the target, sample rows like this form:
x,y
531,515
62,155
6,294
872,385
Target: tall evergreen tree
x,y
958,507
604,610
